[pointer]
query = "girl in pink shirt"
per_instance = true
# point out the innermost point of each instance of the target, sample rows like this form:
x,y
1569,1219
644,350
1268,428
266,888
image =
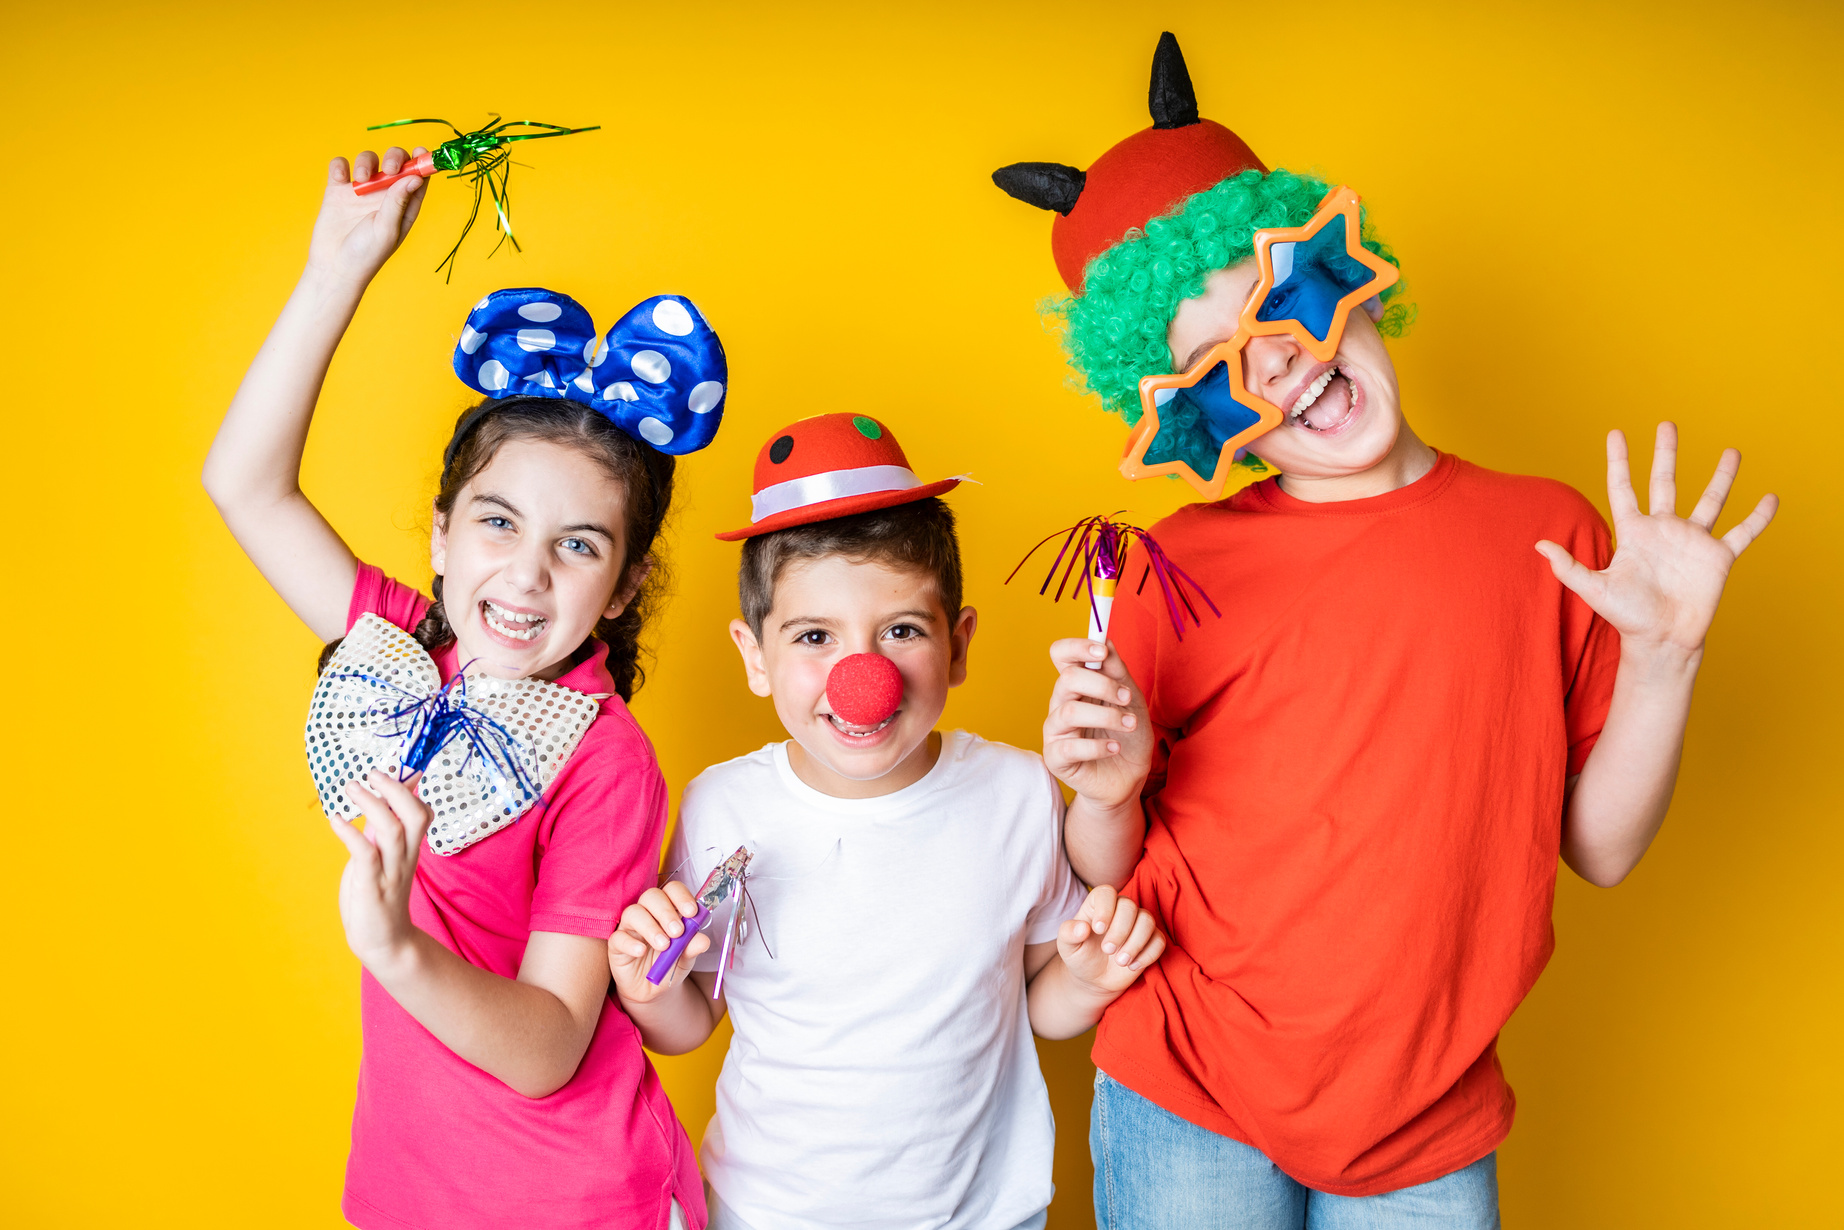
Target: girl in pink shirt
x,y
499,1087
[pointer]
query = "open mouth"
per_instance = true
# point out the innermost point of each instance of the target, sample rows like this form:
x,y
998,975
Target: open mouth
x,y
859,732
1325,404
514,625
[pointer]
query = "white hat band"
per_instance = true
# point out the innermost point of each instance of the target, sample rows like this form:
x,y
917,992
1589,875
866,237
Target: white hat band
x,y
832,485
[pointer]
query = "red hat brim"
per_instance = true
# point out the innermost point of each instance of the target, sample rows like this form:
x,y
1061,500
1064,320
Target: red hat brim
x,y
844,506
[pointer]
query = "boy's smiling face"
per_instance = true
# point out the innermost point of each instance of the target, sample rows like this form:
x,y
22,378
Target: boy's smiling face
x,y
1342,418
826,609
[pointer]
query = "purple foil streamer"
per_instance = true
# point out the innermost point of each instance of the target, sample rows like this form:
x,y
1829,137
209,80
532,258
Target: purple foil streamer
x,y
1098,546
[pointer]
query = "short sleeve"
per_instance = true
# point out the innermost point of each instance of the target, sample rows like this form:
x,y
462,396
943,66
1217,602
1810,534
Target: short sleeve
x,y
377,594
603,821
1591,691
1061,894
1591,648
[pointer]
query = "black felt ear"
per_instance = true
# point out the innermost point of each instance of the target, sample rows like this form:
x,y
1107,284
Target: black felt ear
x,y
1047,185
1170,98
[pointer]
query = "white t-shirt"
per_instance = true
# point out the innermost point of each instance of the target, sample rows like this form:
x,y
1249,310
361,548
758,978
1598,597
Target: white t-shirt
x,y
881,1073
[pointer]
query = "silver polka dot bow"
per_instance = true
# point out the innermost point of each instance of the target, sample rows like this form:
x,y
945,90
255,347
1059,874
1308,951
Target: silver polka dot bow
x,y
487,748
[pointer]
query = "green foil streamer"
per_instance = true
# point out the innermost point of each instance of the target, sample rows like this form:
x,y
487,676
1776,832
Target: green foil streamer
x,y
482,157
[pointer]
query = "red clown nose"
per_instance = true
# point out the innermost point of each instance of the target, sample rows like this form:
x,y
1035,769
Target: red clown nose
x,y
864,688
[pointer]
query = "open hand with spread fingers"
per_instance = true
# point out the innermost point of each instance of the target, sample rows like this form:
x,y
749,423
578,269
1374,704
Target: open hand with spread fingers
x,y
1661,589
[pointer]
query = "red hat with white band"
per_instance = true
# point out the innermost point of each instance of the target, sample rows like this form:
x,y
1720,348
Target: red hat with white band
x,y
830,466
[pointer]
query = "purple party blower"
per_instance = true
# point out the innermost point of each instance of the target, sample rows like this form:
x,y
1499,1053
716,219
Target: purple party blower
x,y
724,881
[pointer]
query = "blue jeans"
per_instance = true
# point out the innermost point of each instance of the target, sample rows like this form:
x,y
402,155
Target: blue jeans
x,y
1155,1171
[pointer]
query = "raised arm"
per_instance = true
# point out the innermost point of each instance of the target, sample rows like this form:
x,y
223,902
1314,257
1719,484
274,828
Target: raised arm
x,y
253,471
1660,593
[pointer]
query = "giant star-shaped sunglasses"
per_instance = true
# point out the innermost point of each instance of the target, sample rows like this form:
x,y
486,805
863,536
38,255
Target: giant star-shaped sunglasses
x,y
1308,280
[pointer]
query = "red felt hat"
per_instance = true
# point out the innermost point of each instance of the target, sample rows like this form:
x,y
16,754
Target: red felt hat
x,y
1142,177
830,466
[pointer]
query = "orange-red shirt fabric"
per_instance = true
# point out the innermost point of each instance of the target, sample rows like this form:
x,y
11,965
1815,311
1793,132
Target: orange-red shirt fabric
x,y
1354,814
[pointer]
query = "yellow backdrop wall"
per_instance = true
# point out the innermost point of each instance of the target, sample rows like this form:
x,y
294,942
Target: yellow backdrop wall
x,y
1608,213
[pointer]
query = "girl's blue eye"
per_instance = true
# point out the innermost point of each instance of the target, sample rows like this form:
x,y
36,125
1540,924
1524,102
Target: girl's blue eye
x,y
578,545
499,523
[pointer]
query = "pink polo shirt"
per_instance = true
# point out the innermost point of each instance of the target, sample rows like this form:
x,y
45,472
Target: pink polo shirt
x,y
438,1144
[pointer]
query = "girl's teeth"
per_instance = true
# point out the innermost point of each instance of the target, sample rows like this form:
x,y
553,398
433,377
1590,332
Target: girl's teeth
x,y
500,620
511,617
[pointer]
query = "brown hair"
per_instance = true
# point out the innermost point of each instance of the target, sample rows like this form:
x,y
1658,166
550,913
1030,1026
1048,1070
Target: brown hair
x,y
645,475
917,536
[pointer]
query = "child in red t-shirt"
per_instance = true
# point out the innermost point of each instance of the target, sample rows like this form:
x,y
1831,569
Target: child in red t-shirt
x,y
499,1085
1345,798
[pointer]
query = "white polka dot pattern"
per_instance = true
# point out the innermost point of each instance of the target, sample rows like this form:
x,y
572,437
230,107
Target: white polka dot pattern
x,y
378,670
651,366
705,396
658,374
670,316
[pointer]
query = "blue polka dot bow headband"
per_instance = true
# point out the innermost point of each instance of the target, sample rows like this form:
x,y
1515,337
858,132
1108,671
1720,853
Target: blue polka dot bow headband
x,y
659,374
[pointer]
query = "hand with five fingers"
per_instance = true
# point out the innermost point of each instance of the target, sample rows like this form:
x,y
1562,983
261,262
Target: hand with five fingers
x,y
374,890
1097,740
1661,588
647,927
1109,942
354,235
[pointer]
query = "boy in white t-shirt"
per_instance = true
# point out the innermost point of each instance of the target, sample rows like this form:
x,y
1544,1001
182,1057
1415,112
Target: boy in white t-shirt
x,y
913,916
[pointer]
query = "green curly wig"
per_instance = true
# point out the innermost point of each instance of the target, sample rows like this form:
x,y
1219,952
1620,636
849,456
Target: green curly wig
x,y
1114,331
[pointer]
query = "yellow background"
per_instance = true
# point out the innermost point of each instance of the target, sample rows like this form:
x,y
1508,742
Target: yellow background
x,y
1608,213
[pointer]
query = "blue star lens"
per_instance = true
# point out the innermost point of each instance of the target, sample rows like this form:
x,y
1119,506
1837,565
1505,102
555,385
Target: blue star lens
x,y
1310,277
1194,422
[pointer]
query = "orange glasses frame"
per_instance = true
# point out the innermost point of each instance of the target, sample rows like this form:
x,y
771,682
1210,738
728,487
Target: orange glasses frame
x,y
1339,201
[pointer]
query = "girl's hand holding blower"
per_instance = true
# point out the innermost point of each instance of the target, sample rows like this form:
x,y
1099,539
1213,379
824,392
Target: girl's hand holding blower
x,y
355,234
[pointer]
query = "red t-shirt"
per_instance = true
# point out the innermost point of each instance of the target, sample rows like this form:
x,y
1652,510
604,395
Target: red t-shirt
x,y
1355,814
437,1144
